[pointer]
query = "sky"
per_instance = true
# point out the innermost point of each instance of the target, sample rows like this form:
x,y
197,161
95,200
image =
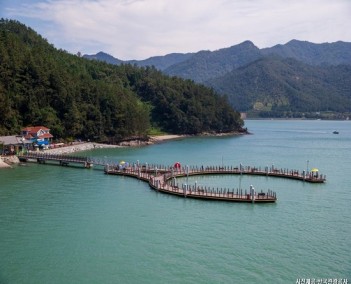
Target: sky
x,y
139,29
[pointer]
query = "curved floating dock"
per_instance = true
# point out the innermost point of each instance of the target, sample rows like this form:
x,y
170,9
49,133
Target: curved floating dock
x,y
162,180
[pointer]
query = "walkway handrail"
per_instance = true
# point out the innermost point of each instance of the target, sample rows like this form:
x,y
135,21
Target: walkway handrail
x,y
191,170
161,180
53,157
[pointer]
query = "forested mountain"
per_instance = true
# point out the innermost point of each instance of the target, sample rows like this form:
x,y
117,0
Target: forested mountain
x,y
162,62
311,53
102,56
275,86
259,80
89,99
205,65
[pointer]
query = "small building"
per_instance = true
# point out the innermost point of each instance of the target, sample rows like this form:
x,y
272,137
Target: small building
x,y
11,145
39,135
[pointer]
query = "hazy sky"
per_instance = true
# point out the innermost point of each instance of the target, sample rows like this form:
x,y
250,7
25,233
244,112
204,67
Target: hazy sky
x,y
138,29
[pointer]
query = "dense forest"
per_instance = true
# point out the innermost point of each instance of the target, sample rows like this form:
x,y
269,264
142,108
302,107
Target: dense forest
x,y
277,87
79,98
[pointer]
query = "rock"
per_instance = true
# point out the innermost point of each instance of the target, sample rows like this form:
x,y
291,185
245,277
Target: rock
x,y
3,164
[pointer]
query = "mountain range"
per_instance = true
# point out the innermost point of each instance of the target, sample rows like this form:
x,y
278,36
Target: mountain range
x,y
298,78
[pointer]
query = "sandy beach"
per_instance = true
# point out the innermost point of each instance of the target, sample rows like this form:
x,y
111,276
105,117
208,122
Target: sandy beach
x,y
91,145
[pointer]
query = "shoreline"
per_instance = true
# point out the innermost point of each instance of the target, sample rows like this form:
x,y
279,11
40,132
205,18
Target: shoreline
x,y
8,161
162,138
87,146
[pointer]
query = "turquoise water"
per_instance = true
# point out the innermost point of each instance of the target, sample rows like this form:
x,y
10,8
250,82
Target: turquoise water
x,y
72,225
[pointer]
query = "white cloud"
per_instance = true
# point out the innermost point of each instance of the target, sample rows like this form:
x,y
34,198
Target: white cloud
x,y
137,29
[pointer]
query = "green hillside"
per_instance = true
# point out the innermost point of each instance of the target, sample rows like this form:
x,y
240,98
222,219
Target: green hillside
x,y
274,86
80,98
205,65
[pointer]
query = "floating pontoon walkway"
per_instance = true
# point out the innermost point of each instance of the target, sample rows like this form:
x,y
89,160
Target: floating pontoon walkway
x,y
162,178
63,160
241,170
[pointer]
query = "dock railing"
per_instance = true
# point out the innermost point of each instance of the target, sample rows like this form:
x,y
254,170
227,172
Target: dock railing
x,y
162,179
244,170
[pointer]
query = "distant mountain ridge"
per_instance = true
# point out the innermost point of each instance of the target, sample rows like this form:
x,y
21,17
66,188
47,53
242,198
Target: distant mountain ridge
x,y
162,62
205,65
260,80
335,53
102,56
159,62
230,58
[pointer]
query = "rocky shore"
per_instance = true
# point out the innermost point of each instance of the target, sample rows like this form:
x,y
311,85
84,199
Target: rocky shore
x,y
7,161
3,164
68,149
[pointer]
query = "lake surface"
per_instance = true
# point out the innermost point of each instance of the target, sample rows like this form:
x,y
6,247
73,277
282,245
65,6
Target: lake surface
x,y
74,225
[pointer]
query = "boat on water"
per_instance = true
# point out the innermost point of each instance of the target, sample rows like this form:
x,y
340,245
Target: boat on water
x,y
335,132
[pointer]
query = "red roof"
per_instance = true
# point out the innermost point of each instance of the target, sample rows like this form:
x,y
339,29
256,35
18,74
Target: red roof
x,y
45,135
35,129
32,132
